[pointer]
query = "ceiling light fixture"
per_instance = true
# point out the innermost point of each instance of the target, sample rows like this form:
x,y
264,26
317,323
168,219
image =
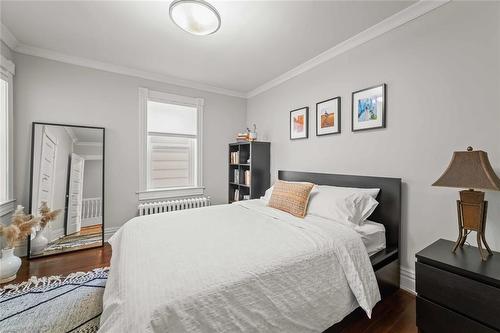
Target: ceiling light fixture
x,y
197,17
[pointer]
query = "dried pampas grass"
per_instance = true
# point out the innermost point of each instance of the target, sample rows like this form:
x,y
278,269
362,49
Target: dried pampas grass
x,y
47,215
24,224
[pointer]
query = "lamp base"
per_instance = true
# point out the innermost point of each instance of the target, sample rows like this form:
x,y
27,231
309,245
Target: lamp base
x,y
472,209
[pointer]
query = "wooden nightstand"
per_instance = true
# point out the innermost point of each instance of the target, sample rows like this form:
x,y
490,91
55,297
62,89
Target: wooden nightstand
x,y
457,292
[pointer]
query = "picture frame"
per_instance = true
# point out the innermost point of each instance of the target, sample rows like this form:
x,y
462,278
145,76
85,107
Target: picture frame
x,y
299,123
368,108
328,116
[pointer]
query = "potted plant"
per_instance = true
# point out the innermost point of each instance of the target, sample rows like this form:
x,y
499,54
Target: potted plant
x,y
21,227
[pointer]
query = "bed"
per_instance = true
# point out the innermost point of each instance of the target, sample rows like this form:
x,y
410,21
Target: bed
x,y
246,267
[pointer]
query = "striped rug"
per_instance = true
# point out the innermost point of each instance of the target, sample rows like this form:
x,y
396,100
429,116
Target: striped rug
x,y
54,304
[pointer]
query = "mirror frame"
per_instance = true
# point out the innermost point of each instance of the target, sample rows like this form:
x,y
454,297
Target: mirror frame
x,y
33,125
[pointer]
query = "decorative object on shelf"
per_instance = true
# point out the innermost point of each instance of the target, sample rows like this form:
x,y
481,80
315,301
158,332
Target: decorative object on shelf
x,y
253,134
328,117
21,226
247,177
471,169
299,123
243,137
236,195
368,108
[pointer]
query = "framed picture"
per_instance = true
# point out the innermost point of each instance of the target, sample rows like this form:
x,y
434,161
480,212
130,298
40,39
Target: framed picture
x,y
328,117
299,123
368,108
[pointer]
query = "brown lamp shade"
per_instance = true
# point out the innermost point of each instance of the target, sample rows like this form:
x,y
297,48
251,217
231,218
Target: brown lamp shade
x,y
469,169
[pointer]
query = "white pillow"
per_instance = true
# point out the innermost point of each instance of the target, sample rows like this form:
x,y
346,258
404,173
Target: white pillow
x,y
343,204
267,195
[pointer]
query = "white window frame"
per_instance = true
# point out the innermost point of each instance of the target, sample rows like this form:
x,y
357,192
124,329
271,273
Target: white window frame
x,y
144,193
7,72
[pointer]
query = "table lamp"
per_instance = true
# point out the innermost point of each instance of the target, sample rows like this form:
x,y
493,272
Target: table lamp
x,y
471,169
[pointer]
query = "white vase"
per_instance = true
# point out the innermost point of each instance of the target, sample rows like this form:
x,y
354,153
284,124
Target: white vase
x,y
9,265
39,243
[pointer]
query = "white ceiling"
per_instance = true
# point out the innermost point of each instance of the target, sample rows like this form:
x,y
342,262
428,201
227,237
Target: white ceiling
x,y
82,134
257,42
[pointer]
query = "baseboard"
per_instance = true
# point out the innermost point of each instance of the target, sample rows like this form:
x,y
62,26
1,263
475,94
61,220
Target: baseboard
x,y
407,279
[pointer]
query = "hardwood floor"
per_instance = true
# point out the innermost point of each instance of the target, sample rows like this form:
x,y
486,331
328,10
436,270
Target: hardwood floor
x,y
395,314
63,264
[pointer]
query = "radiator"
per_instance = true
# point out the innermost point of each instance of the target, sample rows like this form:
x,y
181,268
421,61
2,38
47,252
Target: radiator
x,y
156,207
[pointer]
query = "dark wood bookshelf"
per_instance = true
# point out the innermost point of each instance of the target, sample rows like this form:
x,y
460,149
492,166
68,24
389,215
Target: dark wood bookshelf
x,y
254,156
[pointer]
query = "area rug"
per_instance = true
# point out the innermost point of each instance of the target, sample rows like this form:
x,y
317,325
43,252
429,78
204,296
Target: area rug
x,y
74,241
54,304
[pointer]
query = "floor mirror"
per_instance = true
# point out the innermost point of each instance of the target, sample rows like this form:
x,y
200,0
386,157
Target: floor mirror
x,y
67,174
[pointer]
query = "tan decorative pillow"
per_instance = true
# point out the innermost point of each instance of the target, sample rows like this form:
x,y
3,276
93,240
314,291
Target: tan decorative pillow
x,y
291,197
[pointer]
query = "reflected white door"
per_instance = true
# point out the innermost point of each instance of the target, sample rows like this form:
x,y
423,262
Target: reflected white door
x,y
47,166
75,193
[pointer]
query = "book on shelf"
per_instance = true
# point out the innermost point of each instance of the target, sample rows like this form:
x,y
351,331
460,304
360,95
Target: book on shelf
x,y
246,197
236,178
236,195
235,157
243,137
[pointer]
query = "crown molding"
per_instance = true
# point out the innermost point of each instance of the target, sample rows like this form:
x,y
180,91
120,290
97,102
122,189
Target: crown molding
x,y
108,67
7,37
392,22
400,18
7,65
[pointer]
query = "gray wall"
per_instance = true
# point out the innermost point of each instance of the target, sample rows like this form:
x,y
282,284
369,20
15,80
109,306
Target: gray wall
x,y
443,76
92,179
50,91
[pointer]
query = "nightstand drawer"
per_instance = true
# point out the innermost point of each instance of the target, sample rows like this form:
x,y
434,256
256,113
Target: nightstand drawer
x,y
435,318
471,298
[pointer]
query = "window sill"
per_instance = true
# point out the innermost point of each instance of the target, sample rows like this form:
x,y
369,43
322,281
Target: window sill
x,y
7,207
170,193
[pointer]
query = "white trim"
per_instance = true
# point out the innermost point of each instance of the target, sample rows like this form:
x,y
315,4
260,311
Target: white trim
x,y
91,144
7,37
7,65
91,157
170,193
145,95
143,127
392,22
7,207
407,279
71,133
108,67
398,19
7,70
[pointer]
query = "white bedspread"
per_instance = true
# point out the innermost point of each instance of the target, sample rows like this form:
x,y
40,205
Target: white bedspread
x,y
243,267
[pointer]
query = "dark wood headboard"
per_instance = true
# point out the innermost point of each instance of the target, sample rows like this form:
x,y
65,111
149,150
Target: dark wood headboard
x,y
388,212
